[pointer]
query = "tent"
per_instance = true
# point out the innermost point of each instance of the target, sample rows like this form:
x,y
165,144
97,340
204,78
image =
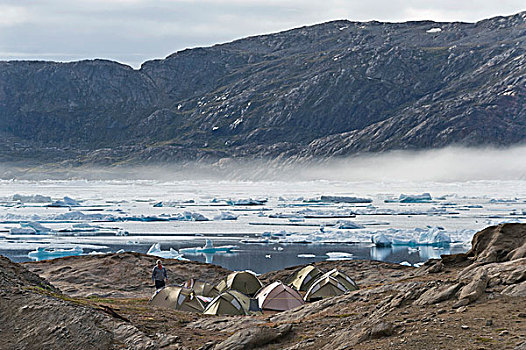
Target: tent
x,y
231,302
177,298
323,287
343,279
202,288
279,297
243,281
305,277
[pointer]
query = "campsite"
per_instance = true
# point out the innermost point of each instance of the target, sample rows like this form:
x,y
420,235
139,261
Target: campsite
x,y
471,301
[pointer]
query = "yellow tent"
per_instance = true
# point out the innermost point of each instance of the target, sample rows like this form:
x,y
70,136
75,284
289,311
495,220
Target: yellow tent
x,y
177,298
305,277
243,281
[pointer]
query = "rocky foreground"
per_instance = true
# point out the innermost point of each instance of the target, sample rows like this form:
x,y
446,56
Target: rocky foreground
x,y
475,300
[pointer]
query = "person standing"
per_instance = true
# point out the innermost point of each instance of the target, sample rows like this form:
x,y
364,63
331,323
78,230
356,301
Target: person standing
x,y
159,275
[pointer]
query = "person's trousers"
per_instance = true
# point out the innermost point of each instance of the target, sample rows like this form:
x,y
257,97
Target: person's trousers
x,y
159,284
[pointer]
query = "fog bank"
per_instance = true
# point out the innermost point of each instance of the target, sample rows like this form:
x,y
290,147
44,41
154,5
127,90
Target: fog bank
x,y
450,164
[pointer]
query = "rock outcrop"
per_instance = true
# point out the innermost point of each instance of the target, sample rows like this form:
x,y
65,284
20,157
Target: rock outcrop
x,y
35,315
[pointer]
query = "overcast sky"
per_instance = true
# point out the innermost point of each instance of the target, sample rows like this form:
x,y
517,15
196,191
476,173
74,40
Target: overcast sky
x,y
132,31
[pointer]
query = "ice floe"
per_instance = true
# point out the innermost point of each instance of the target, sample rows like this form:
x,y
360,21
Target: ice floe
x,y
334,256
306,255
44,253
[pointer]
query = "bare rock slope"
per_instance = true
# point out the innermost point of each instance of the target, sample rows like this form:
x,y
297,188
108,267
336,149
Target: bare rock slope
x,y
475,300
35,315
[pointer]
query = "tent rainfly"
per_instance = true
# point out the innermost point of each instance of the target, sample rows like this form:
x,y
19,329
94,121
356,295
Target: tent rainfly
x,y
230,302
177,298
279,297
202,288
324,287
343,279
305,277
242,281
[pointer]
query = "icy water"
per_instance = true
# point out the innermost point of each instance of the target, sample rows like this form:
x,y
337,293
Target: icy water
x,y
278,223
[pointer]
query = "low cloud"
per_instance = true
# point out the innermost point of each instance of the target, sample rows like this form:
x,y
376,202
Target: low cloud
x,y
452,164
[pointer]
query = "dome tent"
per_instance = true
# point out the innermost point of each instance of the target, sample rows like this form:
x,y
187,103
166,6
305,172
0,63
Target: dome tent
x,y
343,279
323,287
278,297
202,288
230,302
305,277
245,282
177,298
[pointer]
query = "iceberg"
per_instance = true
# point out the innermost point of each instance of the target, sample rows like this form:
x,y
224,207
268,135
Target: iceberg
x,y
418,237
225,215
411,198
207,248
81,227
80,216
155,250
344,199
248,201
38,227
22,231
31,228
65,202
347,225
43,253
37,198
306,255
381,240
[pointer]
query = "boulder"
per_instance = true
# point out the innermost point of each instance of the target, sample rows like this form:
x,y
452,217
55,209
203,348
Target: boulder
x,y
438,294
474,290
252,338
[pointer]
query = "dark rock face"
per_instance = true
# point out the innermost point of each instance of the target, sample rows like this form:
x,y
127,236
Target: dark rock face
x,y
327,90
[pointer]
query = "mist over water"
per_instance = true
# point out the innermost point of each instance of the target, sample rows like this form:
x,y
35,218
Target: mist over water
x,y
451,164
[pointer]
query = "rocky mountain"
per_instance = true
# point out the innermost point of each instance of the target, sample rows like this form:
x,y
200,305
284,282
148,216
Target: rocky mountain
x,y
332,89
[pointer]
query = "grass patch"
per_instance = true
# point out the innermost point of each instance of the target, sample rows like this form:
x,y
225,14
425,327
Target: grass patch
x,y
485,340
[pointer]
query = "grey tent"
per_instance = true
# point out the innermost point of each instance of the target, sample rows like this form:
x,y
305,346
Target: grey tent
x,y
279,297
343,279
243,281
177,298
323,287
305,277
230,302
202,288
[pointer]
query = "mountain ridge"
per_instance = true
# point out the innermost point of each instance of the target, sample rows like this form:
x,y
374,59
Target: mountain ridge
x,y
332,89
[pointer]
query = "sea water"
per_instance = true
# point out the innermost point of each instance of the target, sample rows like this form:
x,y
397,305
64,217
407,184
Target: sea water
x,y
273,224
